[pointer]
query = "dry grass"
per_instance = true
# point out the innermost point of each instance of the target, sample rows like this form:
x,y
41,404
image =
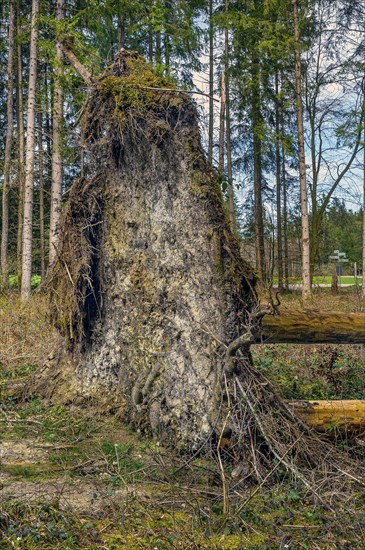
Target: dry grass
x,y
26,335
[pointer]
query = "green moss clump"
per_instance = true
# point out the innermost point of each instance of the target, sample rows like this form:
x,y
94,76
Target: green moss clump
x,y
137,88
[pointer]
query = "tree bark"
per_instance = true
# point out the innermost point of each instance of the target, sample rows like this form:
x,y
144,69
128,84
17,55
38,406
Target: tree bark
x,y
4,276
222,117
257,169
158,47
211,83
20,122
363,207
279,233
313,327
306,274
56,186
285,219
29,159
120,31
41,196
228,128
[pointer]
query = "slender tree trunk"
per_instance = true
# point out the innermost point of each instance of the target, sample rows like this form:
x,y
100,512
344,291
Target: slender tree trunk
x,y
221,125
285,220
302,172
48,122
29,158
259,225
20,122
158,47
211,83
56,188
228,129
166,43
257,167
4,279
150,45
41,196
120,31
278,185
363,230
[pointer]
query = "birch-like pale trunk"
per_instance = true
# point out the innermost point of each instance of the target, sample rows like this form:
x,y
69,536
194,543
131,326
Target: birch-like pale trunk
x,y
211,83
221,125
4,282
20,122
306,289
29,158
363,230
56,188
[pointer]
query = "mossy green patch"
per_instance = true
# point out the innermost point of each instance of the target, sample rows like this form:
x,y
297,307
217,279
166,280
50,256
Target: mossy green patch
x,y
140,89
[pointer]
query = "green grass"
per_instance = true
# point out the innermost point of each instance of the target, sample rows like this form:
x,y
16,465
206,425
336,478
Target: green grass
x,y
324,280
34,282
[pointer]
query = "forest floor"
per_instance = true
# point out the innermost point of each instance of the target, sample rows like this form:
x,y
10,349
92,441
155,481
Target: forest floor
x,y
74,478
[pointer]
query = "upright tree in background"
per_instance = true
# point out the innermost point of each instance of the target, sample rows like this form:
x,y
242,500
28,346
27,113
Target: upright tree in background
x,y
20,124
278,185
306,275
41,196
56,188
211,83
363,223
228,123
29,158
8,147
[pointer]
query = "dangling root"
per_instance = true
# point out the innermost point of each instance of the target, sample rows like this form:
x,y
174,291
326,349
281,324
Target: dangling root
x,y
264,428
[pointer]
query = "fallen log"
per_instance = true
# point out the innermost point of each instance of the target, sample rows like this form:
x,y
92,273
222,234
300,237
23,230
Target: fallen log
x,y
327,415
310,326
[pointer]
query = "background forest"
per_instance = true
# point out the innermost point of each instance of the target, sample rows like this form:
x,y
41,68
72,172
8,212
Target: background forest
x,y
241,55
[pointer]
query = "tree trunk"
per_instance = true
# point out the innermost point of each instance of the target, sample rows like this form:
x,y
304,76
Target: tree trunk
x,y
29,159
222,116
150,45
313,327
363,221
56,187
120,31
4,276
41,197
211,83
279,234
158,47
285,219
20,122
232,215
306,274
257,169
